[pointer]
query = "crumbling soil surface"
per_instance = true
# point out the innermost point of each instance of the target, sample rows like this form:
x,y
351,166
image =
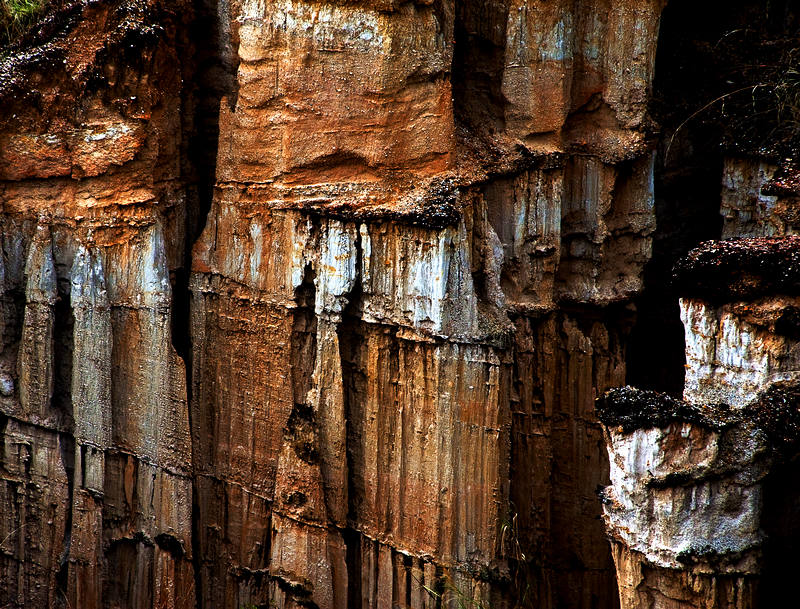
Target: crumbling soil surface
x,y
631,408
776,411
726,271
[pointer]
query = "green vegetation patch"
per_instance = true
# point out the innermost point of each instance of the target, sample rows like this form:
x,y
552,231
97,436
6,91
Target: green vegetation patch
x,y
16,16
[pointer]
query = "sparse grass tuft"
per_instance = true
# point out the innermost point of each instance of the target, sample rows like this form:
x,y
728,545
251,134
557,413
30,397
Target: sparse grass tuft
x,y
756,92
16,16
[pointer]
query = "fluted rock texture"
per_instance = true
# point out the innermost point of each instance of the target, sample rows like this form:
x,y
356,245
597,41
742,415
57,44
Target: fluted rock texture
x,y
307,303
97,463
405,193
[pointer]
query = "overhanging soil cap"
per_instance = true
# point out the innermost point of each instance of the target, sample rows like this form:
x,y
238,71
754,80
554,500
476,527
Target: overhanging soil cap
x,y
727,271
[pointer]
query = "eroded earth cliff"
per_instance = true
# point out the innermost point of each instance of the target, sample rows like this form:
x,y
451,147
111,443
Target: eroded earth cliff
x,y
308,304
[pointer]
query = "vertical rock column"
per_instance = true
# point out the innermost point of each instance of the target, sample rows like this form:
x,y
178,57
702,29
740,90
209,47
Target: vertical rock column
x,y
574,222
419,170
36,347
95,475
683,511
148,492
35,487
92,411
696,484
310,509
340,107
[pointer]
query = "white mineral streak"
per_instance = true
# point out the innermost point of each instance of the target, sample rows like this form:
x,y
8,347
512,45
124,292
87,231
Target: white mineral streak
x,y
335,278
537,212
144,283
605,227
144,280
92,412
494,268
256,254
416,278
153,283
268,254
539,44
36,346
6,385
630,58
531,242
91,367
299,238
719,514
149,376
336,268
40,270
150,414
420,280
729,360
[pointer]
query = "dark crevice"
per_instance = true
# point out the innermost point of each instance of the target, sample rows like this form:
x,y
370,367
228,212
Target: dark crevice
x,y
478,63
304,337
350,339
197,561
725,85
132,560
170,543
3,427
354,384
209,73
67,446
181,318
688,174
301,427
781,523
408,564
352,543
64,323
214,78
301,433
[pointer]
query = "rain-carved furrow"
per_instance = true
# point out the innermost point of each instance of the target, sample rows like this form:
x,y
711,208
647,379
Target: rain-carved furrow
x,y
353,388
209,60
304,337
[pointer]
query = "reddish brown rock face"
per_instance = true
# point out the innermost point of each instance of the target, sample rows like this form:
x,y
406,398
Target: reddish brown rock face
x,y
388,402
97,464
427,221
